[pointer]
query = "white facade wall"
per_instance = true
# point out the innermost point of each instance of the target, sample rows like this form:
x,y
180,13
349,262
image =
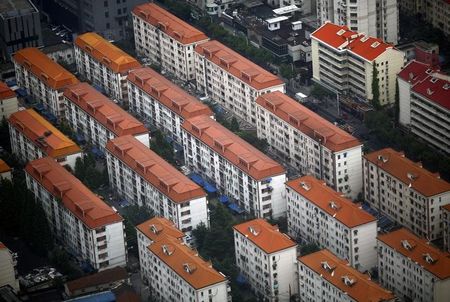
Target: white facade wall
x,y
262,198
271,275
26,150
404,205
408,279
6,175
8,273
341,170
103,247
404,93
52,99
96,133
162,49
100,75
8,107
137,190
228,90
308,222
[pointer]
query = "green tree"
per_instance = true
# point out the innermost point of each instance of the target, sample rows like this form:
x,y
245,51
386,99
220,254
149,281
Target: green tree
x,y
234,125
4,135
397,103
375,88
251,138
309,248
135,215
162,147
287,71
319,92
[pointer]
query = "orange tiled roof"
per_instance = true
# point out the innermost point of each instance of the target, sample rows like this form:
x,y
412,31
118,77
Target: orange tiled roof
x,y
237,65
75,196
106,277
417,250
154,169
408,172
264,235
362,290
6,92
167,93
168,23
181,258
4,166
446,207
44,68
342,209
103,110
339,36
105,52
307,121
43,134
2,245
157,227
243,155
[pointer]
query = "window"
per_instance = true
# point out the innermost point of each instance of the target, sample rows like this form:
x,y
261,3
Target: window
x,y
105,3
106,14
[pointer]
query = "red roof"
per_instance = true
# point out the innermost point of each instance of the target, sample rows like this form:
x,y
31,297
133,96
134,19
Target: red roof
x,y
168,23
106,277
335,270
167,93
435,89
265,236
446,207
154,169
330,201
103,110
74,195
4,166
159,226
339,36
240,153
44,68
307,121
416,250
237,65
6,92
2,245
415,72
408,172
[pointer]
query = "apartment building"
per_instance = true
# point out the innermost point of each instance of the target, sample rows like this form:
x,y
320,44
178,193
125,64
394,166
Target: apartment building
x,y
8,270
412,268
232,80
446,226
20,27
166,40
266,258
33,137
322,276
316,213
406,192
213,7
8,101
159,102
344,61
5,171
143,178
85,225
424,107
178,273
244,174
92,115
309,143
104,64
147,233
43,78
374,18
434,12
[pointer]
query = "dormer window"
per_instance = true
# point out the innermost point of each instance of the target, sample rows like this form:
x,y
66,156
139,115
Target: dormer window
x,y
407,245
167,249
349,281
254,230
189,268
326,266
429,259
195,129
305,186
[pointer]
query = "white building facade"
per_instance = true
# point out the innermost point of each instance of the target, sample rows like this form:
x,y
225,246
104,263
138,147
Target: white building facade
x,y
446,226
240,171
322,276
95,117
33,137
143,178
318,214
267,260
405,192
84,224
104,64
166,40
8,101
344,61
8,268
412,268
43,79
309,143
162,104
232,80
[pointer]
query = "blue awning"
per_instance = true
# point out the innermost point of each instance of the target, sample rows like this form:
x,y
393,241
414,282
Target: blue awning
x,y
80,138
224,199
234,207
98,88
197,179
39,107
97,151
210,188
11,83
177,147
21,92
241,279
107,296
